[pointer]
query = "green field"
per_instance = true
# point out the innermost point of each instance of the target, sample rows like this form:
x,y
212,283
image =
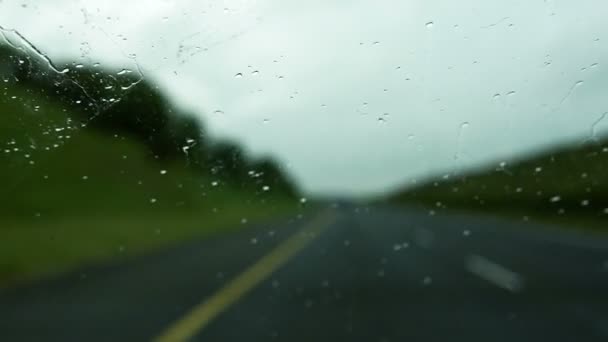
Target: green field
x,y
566,185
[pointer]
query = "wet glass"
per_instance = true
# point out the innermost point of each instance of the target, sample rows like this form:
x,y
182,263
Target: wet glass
x,y
290,171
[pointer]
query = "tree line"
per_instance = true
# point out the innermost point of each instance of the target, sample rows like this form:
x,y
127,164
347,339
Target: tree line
x,y
122,103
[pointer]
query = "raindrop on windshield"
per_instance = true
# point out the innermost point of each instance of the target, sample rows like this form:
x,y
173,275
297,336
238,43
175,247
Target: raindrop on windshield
x,y
555,199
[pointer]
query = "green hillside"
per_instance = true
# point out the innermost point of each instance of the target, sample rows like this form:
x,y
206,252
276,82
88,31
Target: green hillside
x,y
85,179
567,184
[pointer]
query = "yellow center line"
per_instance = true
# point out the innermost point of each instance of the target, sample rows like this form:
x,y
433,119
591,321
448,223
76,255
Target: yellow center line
x,y
202,314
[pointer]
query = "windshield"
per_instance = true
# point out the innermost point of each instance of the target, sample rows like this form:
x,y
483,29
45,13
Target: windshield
x,y
303,171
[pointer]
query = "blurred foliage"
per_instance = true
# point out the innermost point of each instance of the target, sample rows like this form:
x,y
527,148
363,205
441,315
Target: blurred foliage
x,y
94,159
568,180
121,105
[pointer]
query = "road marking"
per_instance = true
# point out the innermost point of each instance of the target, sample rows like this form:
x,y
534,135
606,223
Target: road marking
x,y
201,315
494,273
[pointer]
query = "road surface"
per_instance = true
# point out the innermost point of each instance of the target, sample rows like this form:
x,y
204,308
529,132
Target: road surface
x,y
345,274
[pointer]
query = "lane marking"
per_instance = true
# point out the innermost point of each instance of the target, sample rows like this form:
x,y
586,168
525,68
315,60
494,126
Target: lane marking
x,y
201,315
494,273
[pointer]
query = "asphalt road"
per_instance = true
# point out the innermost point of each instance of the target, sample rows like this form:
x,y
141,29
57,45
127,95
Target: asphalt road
x,y
380,274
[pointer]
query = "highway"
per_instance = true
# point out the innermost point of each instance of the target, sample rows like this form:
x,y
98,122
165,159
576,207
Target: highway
x,y
338,274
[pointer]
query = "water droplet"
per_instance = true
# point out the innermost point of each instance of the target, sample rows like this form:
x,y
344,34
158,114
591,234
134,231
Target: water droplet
x,y
347,242
255,72
238,75
427,280
429,24
555,199
464,125
123,71
163,172
512,92
397,247
303,200
152,200
214,183
466,232
496,96
253,240
85,177
243,220
219,112
266,188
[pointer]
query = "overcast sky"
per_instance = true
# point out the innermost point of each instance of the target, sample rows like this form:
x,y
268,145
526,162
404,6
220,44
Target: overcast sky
x,y
356,97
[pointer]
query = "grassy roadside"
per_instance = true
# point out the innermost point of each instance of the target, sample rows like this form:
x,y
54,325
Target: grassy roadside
x,y
566,186
32,249
574,222
73,196
583,223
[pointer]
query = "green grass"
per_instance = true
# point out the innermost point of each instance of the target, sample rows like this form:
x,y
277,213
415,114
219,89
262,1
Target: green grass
x,y
566,186
72,196
30,249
